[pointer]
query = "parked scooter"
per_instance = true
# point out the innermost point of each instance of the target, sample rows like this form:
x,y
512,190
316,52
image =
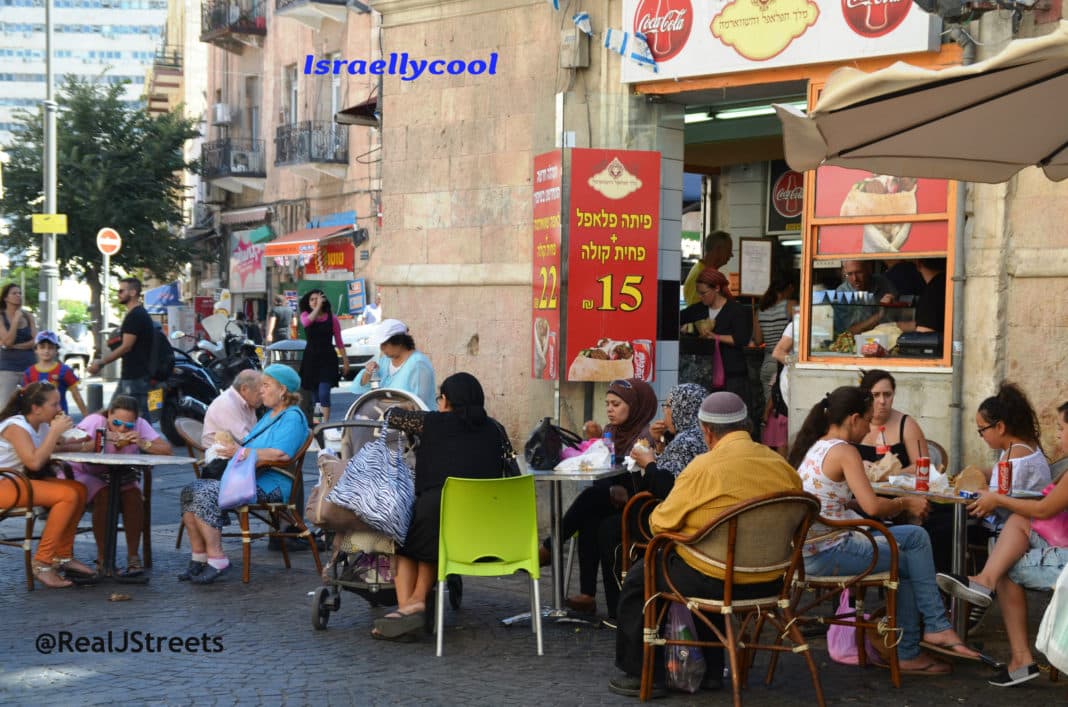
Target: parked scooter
x,y
187,392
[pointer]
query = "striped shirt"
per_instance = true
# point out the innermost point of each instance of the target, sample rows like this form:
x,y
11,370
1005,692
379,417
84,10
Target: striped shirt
x,y
773,321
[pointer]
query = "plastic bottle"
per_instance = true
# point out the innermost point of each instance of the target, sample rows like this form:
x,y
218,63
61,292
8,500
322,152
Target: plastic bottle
x,y
611,444
375,379
882,448
317,416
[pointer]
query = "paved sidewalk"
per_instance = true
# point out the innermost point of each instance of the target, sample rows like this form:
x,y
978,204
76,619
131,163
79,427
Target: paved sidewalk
x,y
263,649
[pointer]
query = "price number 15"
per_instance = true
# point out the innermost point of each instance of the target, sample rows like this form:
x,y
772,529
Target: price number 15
x,y
630,296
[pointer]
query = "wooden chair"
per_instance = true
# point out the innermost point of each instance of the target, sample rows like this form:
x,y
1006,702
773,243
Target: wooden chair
x,y
755,537
21,506
191,431
636,534
937,454
275,514
830,588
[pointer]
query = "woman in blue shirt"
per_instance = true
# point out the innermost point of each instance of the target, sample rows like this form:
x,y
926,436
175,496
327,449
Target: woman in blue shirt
x,y
400,366
277,438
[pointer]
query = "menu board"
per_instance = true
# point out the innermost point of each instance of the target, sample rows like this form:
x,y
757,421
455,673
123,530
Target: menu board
x,y
614,226
545,320
755,275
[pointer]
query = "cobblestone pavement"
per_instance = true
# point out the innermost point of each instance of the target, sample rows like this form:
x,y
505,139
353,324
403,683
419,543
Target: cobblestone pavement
x,y
263,649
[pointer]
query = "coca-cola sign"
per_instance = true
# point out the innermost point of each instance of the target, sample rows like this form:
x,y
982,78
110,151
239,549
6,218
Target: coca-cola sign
x,y
788,194
874,18
666,25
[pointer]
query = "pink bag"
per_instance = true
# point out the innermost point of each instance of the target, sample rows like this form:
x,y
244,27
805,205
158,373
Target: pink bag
x,y
1053,530
568,452
842,640
719,376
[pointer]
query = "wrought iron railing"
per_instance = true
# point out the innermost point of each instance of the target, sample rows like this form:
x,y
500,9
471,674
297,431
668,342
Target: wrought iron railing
x,y
169,56
230,157
219,17
283,4
311,141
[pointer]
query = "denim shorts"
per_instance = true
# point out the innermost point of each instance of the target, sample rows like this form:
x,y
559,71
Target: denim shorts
x,y
1040,566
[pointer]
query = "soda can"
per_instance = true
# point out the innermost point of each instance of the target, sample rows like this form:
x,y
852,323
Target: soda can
x,y
642,359
1005,477
552,355
923,474
98,441
970,495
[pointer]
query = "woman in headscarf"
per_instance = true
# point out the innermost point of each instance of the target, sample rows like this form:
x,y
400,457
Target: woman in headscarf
x,y
461,440
630,405
718,318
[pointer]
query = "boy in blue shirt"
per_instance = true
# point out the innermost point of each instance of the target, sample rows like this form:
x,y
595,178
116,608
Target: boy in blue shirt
x,y
49,369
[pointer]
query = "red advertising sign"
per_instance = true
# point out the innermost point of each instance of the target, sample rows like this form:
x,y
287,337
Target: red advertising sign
x,y
614,227
545,325
666,24
338,255
203,307
874,18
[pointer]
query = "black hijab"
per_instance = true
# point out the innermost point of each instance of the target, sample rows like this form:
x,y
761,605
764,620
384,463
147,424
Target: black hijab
x,y
464,393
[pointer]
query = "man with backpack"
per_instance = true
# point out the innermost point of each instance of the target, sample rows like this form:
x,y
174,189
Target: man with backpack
x,y
135,349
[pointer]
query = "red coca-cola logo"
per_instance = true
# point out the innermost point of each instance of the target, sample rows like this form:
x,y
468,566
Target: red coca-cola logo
x,y
787,194
666,25
874,18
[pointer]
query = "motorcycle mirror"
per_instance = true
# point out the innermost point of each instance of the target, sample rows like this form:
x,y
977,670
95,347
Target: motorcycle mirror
x,y
177,334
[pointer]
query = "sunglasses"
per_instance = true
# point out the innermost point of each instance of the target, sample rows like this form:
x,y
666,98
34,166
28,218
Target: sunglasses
x,y
127,425
621,382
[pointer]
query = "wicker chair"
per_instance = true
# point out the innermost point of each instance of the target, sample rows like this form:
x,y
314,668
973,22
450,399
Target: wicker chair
x,y
275,514
21,507
761,535
190,431
636,534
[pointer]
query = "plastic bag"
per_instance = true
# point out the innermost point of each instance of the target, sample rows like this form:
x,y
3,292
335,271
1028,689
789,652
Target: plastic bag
x,y
596,456
685,664
1052,638
237,487
842,640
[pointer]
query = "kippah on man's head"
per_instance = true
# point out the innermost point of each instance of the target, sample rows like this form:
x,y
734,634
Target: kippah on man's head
x,y
722,408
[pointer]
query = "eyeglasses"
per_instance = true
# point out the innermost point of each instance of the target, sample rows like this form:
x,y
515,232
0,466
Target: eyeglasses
x,y
981,430
127,425
439,397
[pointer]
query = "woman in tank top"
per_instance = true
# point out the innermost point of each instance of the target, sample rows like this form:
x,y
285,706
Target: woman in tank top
x,y
890,428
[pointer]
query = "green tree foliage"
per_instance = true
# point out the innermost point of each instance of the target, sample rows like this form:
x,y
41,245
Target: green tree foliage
x,y
116,166
32,277
75,312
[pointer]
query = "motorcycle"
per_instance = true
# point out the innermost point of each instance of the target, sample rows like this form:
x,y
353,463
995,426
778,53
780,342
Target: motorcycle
x,y
187,392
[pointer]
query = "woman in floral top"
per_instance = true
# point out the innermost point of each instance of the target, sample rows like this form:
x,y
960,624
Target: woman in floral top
x,y
831,468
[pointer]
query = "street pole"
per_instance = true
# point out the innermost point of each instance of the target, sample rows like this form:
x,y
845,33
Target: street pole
x,y
49,269
105,309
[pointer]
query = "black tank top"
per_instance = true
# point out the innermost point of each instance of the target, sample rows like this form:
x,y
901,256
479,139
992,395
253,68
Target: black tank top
x,y
869,452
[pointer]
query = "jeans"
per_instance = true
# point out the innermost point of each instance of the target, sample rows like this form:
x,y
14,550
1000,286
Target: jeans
x,y
136,388
1040,566
321,394
917,593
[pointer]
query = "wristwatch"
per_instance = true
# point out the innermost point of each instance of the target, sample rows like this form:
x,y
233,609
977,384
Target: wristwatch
x,y
144,445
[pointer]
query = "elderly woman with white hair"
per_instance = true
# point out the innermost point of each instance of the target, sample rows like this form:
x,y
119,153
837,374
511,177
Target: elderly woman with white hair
x,y
399,366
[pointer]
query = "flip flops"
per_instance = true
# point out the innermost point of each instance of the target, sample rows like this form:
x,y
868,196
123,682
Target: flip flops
x,y
931,669
394,627
948,649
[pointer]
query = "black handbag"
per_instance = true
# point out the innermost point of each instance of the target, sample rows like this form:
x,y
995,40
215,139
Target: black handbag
x,y
509,466
546,443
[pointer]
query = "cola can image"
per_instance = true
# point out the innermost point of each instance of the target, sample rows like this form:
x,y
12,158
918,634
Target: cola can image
x,y
1005,477
642,359
551,355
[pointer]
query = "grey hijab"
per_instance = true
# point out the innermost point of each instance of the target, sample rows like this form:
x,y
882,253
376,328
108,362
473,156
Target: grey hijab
x,y
685,401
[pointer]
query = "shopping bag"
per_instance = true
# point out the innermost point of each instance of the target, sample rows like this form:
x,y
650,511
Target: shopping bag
x,y
1052,639
685,664
842,640
377,486
322,512
719,376
1054,529
237,487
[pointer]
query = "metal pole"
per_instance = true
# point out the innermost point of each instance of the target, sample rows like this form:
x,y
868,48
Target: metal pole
x,y
49,269
105,309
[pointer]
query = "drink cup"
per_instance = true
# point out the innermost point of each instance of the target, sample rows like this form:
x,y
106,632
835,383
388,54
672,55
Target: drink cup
x,y
923,474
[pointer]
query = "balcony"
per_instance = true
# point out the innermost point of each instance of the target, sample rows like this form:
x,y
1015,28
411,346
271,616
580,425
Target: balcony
x,y
312,149
233,25
164,85
234,165
311,12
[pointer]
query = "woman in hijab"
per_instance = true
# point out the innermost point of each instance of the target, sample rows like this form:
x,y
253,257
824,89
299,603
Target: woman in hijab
x,y
630,405
460,440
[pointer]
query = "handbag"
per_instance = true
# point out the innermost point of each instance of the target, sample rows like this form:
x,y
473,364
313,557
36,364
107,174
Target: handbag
x,y
842,640
323,513
546,443
719,376
509,466
1052,638
237,487
377,486
1053,530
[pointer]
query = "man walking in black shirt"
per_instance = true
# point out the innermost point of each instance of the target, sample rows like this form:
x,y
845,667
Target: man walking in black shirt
x,y
135,348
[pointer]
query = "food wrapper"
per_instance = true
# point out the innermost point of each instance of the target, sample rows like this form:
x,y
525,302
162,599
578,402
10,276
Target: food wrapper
x,y
75,435
596,457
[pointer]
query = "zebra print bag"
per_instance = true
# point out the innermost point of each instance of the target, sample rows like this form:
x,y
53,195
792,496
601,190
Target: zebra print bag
x,y
377,486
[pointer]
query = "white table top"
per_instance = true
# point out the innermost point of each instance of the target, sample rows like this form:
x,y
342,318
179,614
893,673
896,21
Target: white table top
x,y
121,459
592,475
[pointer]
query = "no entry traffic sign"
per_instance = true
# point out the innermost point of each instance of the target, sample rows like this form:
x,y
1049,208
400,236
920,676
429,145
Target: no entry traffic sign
x,y
108,241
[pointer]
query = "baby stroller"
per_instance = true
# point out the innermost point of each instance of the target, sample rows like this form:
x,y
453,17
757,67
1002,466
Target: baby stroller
x,y
362,560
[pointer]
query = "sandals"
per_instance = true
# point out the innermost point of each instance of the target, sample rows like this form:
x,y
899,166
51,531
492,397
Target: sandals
x,y
950,649
932,668
73,572
395,625
48,576
134,568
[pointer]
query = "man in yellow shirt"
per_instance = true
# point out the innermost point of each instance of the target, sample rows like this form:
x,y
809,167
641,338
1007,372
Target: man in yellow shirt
x,y
719,249
735,469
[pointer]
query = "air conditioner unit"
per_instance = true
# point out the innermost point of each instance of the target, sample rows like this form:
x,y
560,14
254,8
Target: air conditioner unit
x,y
221,113
241,161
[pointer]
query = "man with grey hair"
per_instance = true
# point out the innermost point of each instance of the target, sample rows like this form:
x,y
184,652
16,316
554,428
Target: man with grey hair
x,y
735,469
234,411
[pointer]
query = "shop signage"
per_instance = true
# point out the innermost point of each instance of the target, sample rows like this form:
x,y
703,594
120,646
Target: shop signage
x,y
786,191
247,273
545,326
357,296
613,232
858,195
332,256
727,36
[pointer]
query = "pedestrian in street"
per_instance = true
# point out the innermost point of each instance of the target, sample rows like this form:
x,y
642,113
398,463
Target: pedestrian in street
x,y
373,312
17,332
278,322
48,368
134,349
318,368
400,366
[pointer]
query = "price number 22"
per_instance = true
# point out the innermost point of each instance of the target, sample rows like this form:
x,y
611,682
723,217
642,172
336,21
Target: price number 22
x,y
549,293
630,295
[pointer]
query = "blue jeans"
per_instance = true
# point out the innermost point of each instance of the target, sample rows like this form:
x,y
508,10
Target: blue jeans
x,y
917,593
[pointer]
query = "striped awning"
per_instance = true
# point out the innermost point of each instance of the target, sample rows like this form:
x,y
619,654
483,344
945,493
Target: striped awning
x,y
304,242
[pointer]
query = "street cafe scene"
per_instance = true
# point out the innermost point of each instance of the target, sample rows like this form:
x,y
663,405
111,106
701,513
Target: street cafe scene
x,y
700,351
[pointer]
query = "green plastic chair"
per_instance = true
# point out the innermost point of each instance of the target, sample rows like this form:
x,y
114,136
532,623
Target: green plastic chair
x,y
489,528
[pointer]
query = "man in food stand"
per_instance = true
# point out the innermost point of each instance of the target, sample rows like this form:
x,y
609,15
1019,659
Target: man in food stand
x,y
931,306
858,280
719,249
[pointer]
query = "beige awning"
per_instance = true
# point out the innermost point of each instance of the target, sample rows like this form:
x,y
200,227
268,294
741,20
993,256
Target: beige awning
x,y
251,215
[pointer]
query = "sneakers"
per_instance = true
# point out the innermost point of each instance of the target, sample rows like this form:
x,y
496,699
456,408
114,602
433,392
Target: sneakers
x,y
976,616
208,575
964,588
630,686
1007,678
193,570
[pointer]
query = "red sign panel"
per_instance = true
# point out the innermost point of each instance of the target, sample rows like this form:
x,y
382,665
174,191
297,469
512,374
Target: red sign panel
x,y
874,18
666,25
614,231
545,325
339,255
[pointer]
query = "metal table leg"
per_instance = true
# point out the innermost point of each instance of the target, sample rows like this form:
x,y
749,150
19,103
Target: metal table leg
x,y
960,550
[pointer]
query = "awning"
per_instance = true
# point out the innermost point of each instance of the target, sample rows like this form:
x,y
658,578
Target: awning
x,y
159,298
304,242
263,234
258,213
365,113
